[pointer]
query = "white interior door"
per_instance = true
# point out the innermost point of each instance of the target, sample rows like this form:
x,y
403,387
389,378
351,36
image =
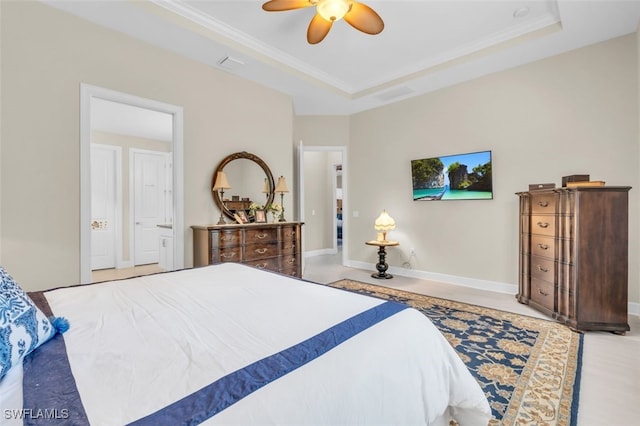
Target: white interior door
x,y
149,204
103,206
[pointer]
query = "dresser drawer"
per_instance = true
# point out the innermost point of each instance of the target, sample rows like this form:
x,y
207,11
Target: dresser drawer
x,y
260,251
289,233
268,264
261,235
543,269
226,254
543,225
289,261
543,246
289,247
226,238
543,293
543,203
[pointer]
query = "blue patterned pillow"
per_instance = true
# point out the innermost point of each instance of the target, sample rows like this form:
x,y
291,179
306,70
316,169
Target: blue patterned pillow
x,y
23,327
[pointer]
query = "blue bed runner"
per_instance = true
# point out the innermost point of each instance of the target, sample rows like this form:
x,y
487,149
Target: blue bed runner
x,y
224,392
49,392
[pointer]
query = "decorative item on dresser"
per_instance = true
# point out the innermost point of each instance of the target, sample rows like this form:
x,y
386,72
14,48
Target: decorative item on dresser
x,y
271,246
574,255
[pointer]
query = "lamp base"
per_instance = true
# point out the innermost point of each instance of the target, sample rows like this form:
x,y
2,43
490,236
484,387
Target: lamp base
x,y
382,266
382,276
221,221
282,219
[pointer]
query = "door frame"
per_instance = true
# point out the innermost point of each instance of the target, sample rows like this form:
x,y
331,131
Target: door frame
x,y
345,202
87,92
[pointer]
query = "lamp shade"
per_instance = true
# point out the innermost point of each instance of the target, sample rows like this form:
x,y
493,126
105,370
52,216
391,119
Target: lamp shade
x,y
281,186
221,182
384,222
266,189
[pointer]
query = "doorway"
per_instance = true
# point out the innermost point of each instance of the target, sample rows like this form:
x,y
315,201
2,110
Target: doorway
x,y
323,238
99,105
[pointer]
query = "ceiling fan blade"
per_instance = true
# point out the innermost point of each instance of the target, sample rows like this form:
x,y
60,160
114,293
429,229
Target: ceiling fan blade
x,y
363,18
280,5
318,29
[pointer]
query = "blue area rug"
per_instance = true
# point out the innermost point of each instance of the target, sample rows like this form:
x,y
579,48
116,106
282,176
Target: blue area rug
x,y
529,368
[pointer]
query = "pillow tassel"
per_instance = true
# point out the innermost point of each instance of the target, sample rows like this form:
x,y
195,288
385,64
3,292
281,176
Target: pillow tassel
x,y
60,324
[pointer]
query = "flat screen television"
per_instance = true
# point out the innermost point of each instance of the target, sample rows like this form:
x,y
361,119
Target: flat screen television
x,y
453,177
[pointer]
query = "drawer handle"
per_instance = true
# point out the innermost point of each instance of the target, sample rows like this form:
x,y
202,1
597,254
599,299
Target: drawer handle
x,y
293,247
227,239
261,265
543,246
291,234
261,236
228,255
543,203
542,292
543,224
540,268
261,250
291,261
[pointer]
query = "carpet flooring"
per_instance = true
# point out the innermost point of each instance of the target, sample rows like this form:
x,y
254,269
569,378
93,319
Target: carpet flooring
x,y
529,368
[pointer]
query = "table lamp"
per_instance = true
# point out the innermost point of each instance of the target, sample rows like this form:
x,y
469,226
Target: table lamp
x,y
220,185
281,187
384,223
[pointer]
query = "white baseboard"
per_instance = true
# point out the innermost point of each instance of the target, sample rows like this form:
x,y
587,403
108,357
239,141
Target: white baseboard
x,y
498,287
320,252
444,278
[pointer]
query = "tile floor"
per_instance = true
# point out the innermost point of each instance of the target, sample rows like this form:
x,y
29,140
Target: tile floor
x,y
610,380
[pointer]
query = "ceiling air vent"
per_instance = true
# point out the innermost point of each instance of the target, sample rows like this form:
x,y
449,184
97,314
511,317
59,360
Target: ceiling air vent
x,y
231,64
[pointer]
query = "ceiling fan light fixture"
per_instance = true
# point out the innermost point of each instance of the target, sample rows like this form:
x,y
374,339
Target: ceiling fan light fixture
x,y
333,10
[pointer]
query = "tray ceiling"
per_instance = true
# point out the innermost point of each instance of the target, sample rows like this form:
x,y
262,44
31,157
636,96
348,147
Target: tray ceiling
x,y
426,45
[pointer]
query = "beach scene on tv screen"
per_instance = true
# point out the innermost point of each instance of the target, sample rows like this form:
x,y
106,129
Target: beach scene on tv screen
x,y
453,177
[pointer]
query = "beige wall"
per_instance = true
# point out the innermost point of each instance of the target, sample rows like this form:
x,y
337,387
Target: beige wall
x,y
45,56
571,114
324,130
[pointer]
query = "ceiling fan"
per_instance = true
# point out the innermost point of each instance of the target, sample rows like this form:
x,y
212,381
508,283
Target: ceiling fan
x,y
358,15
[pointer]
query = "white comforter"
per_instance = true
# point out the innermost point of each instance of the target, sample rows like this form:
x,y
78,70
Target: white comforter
x,y
138,345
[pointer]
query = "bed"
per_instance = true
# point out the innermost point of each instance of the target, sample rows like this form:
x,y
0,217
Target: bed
x,y
232,345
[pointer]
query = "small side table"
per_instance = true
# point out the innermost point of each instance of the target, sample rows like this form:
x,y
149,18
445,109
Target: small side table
x,y
382,266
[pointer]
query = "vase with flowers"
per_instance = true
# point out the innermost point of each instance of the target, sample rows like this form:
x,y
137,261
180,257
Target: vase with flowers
x,y
276,211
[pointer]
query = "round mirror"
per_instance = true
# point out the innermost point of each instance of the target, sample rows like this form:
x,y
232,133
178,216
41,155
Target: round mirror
x,y
248,180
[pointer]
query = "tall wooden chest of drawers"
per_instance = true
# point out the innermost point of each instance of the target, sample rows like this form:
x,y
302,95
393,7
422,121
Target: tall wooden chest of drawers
x,y
272,246
574,255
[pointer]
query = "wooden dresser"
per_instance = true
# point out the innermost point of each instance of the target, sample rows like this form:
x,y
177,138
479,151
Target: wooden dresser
x,y
272,246
574,255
